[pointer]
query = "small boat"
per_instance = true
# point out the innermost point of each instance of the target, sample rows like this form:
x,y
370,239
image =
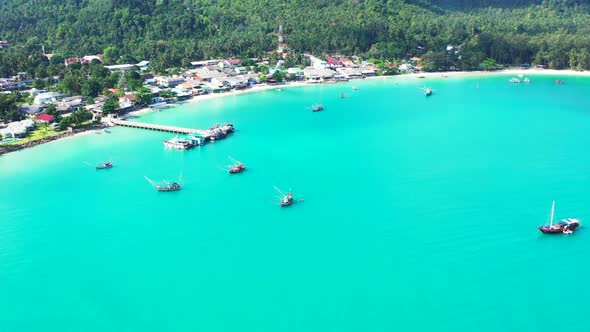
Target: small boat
x,y
527,80
106,130
237,167
427,91
559,82
165,185
174,186
354,87
342,95
317,108
178,143
105,165
287,199
566,226
514,80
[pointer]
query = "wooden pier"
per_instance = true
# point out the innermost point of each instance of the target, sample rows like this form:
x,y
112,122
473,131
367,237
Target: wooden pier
x,y
169,129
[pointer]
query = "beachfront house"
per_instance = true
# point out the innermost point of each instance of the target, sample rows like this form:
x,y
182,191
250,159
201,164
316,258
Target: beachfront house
x,y
297,72
206,75
169,82
348,63
315,62
70,104
31,110
333,62
182,93
406,68
45,118
127,101
194,87
350,72
312,74
238,83
229,63
46,98
15,129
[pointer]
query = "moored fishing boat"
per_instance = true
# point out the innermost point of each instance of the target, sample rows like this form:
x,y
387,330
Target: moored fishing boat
x,y
317,108
236,167
178,143
105,165
565,226
286,199
218,132
166,186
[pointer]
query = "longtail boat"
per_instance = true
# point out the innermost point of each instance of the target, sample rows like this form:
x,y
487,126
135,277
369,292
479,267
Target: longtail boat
x,y
105,165
165,185
237,167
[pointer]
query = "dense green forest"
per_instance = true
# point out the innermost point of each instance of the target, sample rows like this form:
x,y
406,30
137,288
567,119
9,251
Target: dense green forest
x,y
172,33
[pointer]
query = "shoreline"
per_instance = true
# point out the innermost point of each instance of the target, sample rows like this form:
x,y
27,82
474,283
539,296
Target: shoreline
x,y
423,75
4,149
8,148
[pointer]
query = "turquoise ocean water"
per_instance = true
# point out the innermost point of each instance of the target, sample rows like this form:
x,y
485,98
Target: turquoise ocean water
x,y
420,214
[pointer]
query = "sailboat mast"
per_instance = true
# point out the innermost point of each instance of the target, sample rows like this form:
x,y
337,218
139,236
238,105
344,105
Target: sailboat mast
x,y
552,213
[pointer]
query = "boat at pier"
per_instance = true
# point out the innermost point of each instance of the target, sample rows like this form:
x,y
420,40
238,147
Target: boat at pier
x,y
165,185
196,140
105,165
317,108
565,226
221,131
178,143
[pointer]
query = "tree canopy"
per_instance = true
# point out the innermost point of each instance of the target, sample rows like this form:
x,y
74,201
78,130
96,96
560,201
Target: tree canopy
x,y
171,33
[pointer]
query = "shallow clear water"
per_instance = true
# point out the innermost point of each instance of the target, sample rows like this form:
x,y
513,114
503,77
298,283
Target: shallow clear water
x,y
420,214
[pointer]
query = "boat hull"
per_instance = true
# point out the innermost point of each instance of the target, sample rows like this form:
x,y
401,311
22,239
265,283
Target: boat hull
x,y
559,230
237,170
286,204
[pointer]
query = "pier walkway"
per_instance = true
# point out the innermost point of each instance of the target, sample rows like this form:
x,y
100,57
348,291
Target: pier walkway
x,y
150,126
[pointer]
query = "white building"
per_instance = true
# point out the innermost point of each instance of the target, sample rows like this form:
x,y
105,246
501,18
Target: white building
x,y
45,98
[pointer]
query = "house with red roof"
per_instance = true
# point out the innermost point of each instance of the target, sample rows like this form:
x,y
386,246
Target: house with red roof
x,y
347,62
69,61
229,63
45,118
333,62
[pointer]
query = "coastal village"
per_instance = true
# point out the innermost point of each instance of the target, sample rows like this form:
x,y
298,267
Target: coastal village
x,y
216,76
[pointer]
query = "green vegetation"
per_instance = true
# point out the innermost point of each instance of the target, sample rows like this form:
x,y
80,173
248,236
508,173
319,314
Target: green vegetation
x,y
8,108
39,133
171,33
